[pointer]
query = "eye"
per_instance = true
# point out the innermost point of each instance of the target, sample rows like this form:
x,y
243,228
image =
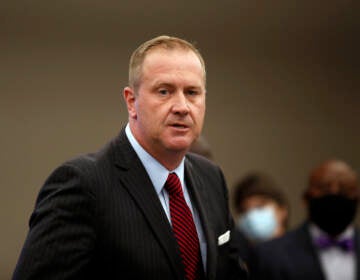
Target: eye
x,y
192,92
163,91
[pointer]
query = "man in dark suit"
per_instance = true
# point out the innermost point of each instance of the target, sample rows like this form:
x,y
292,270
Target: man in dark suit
x,y
327,245
119,213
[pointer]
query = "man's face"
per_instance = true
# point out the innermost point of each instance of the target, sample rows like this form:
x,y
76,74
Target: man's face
x,y
167,111
332,197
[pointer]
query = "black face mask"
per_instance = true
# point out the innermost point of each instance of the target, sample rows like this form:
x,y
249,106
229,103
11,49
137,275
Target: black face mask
x,y
332,213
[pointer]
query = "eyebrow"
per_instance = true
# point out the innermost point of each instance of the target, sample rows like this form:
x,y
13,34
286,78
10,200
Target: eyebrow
x,y
162,84
173,85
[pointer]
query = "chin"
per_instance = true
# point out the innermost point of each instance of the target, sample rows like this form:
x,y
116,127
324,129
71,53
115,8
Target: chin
x,y
179,146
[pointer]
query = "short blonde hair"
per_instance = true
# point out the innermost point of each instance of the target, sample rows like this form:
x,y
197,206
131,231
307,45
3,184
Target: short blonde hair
x,y
166,42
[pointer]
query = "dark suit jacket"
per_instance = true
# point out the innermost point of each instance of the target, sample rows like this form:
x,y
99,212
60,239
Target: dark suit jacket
x,y
99,217
291,257
245,248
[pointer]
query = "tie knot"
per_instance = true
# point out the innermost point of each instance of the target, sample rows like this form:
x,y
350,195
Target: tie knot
x,y
173,185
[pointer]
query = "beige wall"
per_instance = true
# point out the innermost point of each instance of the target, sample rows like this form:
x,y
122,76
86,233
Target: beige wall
x,y
283,89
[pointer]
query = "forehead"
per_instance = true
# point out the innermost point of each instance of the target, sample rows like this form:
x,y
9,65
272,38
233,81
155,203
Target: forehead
x,y
333,174
163,61
255,201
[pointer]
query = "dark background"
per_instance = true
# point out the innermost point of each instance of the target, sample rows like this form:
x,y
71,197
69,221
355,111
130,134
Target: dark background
x,y
283,88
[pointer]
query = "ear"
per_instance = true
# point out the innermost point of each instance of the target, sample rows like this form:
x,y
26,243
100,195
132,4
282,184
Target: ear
x,y
283,214
129,96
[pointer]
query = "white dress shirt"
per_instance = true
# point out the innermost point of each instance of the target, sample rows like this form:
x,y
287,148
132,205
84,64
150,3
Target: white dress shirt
x,y
336,263
158,175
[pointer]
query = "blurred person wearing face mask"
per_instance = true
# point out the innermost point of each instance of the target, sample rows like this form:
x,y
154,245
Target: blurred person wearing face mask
x,y
261,211
327,244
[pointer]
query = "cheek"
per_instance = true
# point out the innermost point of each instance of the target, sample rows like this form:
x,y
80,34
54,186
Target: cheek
x,y
199,109
200,115
143,110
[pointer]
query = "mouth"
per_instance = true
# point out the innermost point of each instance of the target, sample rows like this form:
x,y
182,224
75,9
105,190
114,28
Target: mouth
x,y
179,125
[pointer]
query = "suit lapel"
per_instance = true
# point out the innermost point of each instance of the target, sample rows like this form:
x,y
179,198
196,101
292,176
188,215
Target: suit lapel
x,y
307,253
198,193
135,179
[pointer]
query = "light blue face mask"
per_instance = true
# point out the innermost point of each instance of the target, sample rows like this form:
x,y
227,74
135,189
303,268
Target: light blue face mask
x,y
258,224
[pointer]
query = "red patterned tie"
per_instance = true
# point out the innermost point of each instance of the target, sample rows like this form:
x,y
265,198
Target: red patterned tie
x,y
184,228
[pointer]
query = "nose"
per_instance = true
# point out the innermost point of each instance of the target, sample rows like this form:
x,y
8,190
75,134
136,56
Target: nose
x,y
180,104
334,187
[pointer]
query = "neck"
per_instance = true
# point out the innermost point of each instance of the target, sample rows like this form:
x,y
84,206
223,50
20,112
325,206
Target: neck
x,y
170,160
279,232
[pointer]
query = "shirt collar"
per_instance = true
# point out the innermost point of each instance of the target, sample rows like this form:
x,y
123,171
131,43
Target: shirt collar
x,y
316,232
157,172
